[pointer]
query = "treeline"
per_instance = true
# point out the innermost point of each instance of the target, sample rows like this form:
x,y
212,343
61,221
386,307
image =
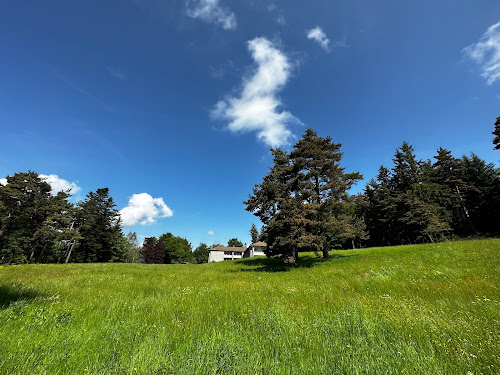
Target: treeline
x,y
424,201
304,204
38,227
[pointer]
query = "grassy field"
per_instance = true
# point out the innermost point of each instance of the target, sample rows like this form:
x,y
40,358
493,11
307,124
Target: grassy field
x,y
426,309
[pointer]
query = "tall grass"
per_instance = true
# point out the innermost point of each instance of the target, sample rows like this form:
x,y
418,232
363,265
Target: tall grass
x,y
426,309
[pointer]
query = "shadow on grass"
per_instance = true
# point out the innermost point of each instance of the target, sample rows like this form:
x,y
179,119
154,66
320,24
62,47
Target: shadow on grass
x,y
261,264
13,293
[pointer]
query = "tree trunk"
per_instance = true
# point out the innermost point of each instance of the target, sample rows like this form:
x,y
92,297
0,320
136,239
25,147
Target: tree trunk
x,y
353,246
70,250
464,207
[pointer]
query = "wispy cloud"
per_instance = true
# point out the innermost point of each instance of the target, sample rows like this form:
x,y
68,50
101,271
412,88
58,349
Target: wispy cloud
x,y
82,91
60,184
211,233
256,108
144,209
115,73
210,11
318,35
486,53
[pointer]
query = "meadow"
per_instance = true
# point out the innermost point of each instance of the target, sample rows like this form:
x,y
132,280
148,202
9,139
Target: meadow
x,y
420,309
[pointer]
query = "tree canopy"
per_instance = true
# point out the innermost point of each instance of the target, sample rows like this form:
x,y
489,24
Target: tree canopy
x,y
302,200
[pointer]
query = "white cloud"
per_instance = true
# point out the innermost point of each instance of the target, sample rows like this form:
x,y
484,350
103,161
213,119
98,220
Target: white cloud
x,y
60,184
281,20
144,209
210,11
3,181
257,107
211,233
319,36
486,52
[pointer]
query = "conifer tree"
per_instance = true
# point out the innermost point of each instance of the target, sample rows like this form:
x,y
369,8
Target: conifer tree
x,y
496,133
302,198
99,225
254,233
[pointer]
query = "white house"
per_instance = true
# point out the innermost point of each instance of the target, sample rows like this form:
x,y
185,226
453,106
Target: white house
x,y
221,253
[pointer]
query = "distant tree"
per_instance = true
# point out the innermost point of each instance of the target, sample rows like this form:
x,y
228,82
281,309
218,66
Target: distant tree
x,y
158,254
254,233
177,249
35,226
201,253
234,242
405,204
99,225
303,197
148,250
496,133
132,248
483,196
448,173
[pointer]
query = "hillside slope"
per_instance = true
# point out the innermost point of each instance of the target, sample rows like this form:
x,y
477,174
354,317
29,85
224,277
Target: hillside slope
x,y
426,309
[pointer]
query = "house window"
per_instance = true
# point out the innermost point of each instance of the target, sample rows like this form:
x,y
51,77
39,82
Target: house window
x,y
228,253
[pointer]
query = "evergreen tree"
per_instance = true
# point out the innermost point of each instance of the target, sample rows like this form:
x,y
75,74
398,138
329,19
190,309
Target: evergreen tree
x,y
448,173
254,233
496,133
483,196
99,226
302,199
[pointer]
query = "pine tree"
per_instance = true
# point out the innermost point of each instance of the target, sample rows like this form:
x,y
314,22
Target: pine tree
x,y
496,133
99,225
24,201
302,198
254,233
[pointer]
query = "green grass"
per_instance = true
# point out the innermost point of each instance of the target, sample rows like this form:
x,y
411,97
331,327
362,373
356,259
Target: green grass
x,y
426,309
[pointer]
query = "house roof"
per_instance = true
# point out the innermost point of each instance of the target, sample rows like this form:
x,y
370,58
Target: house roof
x,y
228,248
259,243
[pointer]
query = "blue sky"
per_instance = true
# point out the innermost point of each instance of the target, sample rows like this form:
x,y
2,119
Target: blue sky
x,y
173,104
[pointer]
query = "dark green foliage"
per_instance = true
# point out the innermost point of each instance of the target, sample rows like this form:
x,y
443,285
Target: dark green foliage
x,y
483,196
201,253
302,201
254,233
34,225
496,133
234,242
177,249
421,202
99,225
